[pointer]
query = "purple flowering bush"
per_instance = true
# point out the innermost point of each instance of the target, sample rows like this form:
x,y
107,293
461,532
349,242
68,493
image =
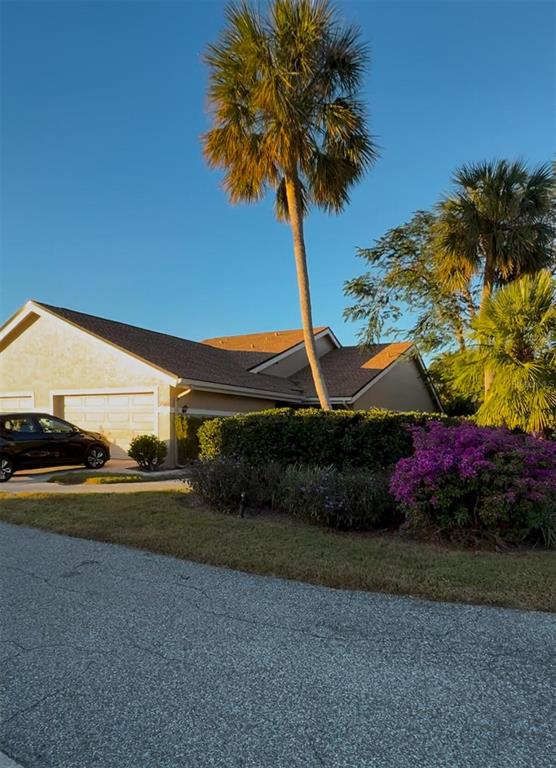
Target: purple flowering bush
x,y
475,480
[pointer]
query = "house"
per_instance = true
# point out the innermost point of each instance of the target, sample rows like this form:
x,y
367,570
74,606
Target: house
x,y
123,381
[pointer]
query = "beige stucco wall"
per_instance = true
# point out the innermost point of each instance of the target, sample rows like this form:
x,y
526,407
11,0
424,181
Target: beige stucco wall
x,y
51,355
400,389
210,402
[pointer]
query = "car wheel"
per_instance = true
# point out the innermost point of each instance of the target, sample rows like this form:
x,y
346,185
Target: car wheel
x,y
6,469
96,457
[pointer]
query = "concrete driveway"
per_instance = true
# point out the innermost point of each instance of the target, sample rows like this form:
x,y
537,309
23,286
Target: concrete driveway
x,y
115,658
112,465
38,480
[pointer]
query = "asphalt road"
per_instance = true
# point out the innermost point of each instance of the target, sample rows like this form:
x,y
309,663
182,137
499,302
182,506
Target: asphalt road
x,y
116,658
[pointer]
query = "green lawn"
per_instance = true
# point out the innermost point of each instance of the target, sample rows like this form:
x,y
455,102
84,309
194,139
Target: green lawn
x,y
172,524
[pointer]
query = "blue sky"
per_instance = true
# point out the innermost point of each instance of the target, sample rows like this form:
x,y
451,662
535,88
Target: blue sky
x,y
109,208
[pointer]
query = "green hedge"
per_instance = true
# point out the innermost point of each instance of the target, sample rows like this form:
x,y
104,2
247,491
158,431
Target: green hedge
x,y
372,439
187,428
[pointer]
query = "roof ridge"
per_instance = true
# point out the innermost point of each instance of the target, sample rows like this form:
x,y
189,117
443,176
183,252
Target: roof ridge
x,y
120,322
316,329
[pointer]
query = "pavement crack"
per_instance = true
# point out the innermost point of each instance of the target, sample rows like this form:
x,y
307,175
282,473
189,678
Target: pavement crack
x,y
115,652
211,610
49,584
274,625
49,695
31,574
154,652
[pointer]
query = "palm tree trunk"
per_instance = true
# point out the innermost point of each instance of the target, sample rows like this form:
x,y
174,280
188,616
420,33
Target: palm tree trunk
x,y
469,301
488,281
460,338
296,221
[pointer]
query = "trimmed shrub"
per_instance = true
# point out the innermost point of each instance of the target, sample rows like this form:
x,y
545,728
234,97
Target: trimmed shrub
x,y
354,500
373,439
351,500
148,451
221,481
187,428
479,481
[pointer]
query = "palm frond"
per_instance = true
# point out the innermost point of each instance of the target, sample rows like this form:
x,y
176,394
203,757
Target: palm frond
x,y
501,214
283,99
515,340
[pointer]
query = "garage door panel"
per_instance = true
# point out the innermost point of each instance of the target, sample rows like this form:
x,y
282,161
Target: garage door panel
x,y
119,417
142,417
11,403
76,401
142,400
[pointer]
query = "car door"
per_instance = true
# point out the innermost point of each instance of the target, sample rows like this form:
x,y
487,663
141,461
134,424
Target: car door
x,y
63,440
28,444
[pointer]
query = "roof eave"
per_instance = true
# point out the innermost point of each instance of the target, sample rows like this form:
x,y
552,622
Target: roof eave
x,y
336,400
233,389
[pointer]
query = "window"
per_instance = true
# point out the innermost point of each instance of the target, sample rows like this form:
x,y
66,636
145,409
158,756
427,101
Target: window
x,y
49,424
19,424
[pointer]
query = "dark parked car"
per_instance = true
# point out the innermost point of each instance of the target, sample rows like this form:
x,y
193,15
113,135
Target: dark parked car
x,y
39,440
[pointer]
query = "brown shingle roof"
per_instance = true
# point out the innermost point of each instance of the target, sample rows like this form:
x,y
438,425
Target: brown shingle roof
x,y
181,357
382,358
249,360
269,342
348,369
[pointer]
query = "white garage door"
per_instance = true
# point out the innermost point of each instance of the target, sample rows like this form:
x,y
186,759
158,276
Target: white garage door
x,y
120,417
10,403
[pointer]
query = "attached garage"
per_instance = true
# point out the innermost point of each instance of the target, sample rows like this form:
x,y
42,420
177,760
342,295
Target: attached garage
x,y
11,402
54,365
119,416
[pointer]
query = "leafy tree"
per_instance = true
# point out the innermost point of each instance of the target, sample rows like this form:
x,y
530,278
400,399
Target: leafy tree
x,y
403,283
498,223
284,91
515,337
456,401
428,277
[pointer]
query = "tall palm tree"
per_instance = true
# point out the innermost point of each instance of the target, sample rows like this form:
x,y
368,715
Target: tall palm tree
x,y
498,223
515,337
284,94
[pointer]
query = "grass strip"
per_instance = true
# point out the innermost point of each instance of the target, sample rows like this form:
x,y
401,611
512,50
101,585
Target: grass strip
x,y
172,524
